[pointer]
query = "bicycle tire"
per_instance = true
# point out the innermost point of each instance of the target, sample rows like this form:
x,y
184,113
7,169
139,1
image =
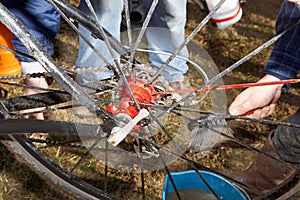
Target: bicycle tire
x,y
52,172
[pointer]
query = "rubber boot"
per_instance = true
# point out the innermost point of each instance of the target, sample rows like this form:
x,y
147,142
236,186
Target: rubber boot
x,y
265,174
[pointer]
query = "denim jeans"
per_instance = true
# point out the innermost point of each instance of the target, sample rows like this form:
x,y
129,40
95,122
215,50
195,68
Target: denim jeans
x,y
109,16
169,18
40,18
169,21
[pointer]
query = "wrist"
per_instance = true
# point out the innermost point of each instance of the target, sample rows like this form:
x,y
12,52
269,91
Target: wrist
x,y
269,78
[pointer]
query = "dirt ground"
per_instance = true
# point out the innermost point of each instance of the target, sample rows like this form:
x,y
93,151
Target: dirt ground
x,y
225,47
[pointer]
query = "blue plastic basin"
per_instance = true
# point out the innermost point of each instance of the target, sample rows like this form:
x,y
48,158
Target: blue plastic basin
x,y
190,179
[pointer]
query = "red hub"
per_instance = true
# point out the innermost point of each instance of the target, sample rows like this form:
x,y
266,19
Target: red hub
x,y
142,94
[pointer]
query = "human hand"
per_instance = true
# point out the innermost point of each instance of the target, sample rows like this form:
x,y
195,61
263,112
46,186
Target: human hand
x,y
296,2
36,82
262,99
293,1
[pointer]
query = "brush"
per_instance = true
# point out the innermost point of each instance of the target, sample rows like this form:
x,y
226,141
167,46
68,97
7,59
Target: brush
x,y
205,132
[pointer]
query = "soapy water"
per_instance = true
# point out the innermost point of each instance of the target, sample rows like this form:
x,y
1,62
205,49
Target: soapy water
x,y
191,193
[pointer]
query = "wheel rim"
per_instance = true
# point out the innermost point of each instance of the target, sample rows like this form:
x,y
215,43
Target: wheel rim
x,y
142,176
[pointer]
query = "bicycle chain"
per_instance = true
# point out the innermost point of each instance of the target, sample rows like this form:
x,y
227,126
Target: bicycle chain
x,y
45,74
50,143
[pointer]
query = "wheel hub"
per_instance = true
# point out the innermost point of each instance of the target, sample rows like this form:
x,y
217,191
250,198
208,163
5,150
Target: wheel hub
x,y
126,109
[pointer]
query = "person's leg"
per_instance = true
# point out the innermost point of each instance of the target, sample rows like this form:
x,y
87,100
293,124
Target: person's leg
x,y
265,173
286,141
40,18
43,22
169,21
109,16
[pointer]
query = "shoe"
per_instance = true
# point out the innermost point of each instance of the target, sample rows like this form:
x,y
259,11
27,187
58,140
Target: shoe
x,y
180,85
80,111
177,85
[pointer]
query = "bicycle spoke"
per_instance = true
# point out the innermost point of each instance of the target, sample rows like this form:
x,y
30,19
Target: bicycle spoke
x,y
143,30
128,22
237,64
182,129
187,40
98,53
85,155
101,30
207,184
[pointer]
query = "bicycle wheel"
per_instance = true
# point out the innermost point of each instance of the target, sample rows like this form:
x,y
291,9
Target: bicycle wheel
x,y
85,156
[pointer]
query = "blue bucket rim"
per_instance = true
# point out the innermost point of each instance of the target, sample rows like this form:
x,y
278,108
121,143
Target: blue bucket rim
x,y
243,195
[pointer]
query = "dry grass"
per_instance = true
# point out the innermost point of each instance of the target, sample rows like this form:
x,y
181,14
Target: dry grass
x,y
225,47
17,181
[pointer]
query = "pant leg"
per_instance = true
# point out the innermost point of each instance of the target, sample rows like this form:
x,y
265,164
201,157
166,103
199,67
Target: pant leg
x,y
40,18
109,16
169,18
286,141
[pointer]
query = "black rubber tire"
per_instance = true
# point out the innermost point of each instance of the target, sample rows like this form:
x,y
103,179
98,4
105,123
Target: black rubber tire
x,y
41,164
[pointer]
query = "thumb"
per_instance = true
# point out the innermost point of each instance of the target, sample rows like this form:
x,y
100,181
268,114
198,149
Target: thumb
x,y
241,104
236,109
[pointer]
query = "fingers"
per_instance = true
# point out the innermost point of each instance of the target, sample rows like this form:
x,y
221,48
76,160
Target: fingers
x,y
261,99
36,82
244,103
249,104
262,112
39,116
293,1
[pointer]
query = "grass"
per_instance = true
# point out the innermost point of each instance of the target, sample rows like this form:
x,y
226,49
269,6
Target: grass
x,y
225,47
17,181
